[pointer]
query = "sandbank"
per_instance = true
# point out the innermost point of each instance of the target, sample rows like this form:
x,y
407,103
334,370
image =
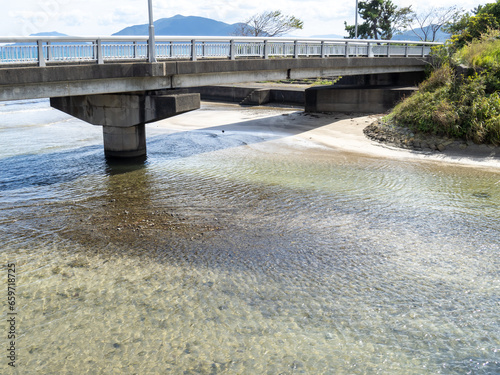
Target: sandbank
x,y
335,131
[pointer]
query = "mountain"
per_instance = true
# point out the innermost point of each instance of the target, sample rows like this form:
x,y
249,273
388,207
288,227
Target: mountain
x,y
441,36
180,25
328,36
51,33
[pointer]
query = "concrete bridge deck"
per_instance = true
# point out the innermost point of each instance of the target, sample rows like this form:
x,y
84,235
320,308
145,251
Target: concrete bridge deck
x,y
92,79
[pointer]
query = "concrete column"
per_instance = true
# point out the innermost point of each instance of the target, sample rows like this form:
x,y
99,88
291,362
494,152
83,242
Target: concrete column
x,y
120,142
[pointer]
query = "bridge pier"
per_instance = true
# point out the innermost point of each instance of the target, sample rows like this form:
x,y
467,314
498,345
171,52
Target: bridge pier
x,y
123,116
121,142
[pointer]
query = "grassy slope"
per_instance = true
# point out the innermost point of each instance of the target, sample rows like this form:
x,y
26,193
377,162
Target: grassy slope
x,y
457,104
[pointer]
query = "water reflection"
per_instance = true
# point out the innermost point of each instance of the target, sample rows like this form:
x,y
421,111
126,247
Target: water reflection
x,y
31,170
120,166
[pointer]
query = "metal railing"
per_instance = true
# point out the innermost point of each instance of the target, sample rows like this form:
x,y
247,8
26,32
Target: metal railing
x,y
51,50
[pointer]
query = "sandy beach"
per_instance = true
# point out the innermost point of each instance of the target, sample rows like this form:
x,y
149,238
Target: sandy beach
x,y
292,127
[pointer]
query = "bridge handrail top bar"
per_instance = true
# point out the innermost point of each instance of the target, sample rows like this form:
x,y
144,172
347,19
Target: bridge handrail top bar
x,y
176,38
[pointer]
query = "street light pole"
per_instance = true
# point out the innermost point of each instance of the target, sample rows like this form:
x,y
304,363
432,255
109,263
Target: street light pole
x,y
151,42
356,22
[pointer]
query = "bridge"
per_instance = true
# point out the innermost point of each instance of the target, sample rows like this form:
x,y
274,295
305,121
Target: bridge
x,y
108,81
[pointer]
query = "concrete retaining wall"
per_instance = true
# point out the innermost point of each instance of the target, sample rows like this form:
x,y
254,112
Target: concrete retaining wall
x,y
365,99
385,79
249,95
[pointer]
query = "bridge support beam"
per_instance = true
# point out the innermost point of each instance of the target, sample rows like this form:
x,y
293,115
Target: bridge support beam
x,y
123,116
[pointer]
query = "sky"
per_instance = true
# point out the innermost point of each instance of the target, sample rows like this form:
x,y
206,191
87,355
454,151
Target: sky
x,y
105,17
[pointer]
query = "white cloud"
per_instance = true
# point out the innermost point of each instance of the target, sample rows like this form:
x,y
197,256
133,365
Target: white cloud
x,y
91,17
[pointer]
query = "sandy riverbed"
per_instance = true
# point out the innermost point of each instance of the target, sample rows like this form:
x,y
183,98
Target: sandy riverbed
x,y
291,127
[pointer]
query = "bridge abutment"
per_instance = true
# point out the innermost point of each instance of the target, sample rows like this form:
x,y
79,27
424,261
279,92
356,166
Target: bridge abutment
x,y
365,93
364,99
123,116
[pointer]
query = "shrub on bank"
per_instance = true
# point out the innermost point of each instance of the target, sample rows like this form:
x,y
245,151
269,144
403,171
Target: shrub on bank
x,y
457,102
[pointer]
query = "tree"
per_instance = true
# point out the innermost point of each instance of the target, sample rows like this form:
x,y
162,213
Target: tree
x,y
272,23
432,20
458,24
469,27
490,8
382,19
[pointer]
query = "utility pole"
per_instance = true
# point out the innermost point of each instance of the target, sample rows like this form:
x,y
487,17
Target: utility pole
x,y
151,41
356,22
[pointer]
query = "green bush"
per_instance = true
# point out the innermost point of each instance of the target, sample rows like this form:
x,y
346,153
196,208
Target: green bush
x,y
483,55
483,52
477,26
462,105
459,108
440,77
428,112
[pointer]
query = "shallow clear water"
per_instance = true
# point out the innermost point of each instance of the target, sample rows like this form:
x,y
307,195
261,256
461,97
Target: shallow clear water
x,y
242,252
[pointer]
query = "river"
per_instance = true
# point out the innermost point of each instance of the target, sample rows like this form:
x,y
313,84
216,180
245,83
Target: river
x,y
244,244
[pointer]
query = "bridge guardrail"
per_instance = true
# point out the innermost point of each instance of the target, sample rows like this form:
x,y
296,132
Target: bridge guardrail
x,y
42,50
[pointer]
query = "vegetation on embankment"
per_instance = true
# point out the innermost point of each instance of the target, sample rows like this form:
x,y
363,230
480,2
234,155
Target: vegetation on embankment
x,y
457,102
461,97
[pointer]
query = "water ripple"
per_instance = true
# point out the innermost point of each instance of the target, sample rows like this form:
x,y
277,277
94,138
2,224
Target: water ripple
x,y
238,253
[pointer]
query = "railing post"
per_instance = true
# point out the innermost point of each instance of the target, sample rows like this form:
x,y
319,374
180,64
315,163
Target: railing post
x,y
135,49
295,49
346,49
388,49
266,50
193,50
406,50
202,49
232,52
322,49
41,57
100,55
423,50
369,50
171,49
49,52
